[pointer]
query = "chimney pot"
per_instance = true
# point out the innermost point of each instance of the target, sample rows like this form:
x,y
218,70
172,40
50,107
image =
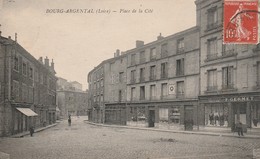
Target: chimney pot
x,y
46,61
160,36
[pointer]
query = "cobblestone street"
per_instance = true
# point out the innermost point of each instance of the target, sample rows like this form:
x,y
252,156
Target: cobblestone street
x,y
84,141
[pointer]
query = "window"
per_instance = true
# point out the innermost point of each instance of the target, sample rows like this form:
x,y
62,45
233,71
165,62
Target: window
x,y
212,49
24,68
24,93
180,89
216,115
16,63
164,69
31,73
180,46
153,54
142,77
120,95
111,68
164,50
132,76
258,73
164,92
15,91
163,114
152,73
132,93
212,18
36,75
212,80
175,115
142,56
180,67
228,77
121,77
152,92
30,100
133,59
142,93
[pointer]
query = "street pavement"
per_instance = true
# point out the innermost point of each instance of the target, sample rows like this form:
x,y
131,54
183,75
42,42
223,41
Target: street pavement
x,y
85,141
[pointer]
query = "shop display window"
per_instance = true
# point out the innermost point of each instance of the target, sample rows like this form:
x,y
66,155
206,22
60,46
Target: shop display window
x,y
255,111
175,115
216,115
163,114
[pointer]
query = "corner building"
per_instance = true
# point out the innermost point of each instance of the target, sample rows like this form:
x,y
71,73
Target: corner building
x,y
229,73
161,81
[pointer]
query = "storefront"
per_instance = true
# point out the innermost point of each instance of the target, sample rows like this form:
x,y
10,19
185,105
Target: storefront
x,y
163,115
226,110
115,114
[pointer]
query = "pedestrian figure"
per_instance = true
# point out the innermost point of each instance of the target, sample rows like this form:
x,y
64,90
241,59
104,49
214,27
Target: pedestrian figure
x,y
69,121
31,130
239,129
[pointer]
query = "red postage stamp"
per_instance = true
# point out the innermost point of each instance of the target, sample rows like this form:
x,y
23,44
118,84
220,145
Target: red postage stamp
x,y
240,22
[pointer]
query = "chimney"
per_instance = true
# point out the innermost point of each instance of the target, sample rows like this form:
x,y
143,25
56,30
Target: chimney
x,y
117,52
160,37
40,59
114,54
9,37
139,43
52,64
15,37
46,61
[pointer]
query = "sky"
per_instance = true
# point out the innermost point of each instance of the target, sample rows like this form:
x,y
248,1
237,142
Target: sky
x,y
77,42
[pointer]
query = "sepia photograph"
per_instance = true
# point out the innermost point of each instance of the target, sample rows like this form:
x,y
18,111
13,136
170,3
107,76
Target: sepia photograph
x,y
129,79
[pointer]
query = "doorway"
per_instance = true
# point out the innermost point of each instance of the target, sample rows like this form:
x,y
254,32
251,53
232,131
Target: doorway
x,y
151,118
188,118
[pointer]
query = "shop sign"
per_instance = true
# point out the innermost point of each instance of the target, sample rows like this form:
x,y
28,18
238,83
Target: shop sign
x,y
230,99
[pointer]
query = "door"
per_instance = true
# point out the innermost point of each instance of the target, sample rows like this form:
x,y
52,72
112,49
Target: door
x,y
188,117
151,118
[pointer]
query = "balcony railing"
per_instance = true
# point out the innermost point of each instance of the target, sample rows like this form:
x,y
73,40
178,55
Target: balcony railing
x,y
179,73
228,87
212,26
132,81
180,50
164,75
212,88
142,79
152,78
142,60
180,95
212,56
228,53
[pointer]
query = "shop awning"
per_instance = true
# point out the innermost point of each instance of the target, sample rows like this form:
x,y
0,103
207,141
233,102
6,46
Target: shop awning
x,y
27,111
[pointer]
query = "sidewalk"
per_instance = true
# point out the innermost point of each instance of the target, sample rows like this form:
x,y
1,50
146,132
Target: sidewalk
x,y
197,132
35,131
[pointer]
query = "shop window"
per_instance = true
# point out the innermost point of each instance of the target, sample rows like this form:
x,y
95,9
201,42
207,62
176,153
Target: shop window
x,y
255,112
141,114
175,115
216,115
163,114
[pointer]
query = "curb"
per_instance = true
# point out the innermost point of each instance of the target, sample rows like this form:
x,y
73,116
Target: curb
x,y
36,130
176,131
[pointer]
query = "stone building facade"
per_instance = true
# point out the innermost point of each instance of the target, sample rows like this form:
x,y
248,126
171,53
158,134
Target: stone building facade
x,y
189,79
71,100
28,89
229,74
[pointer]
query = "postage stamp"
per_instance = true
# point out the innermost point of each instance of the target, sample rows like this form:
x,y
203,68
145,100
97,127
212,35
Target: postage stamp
x,y
240,22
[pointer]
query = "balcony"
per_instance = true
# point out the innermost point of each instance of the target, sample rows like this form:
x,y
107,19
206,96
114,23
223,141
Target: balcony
x,y
212,88
229,53
229,87
180,50
142,60
180,95
164,76
132,81
142,79
212,26
211,57
152,78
